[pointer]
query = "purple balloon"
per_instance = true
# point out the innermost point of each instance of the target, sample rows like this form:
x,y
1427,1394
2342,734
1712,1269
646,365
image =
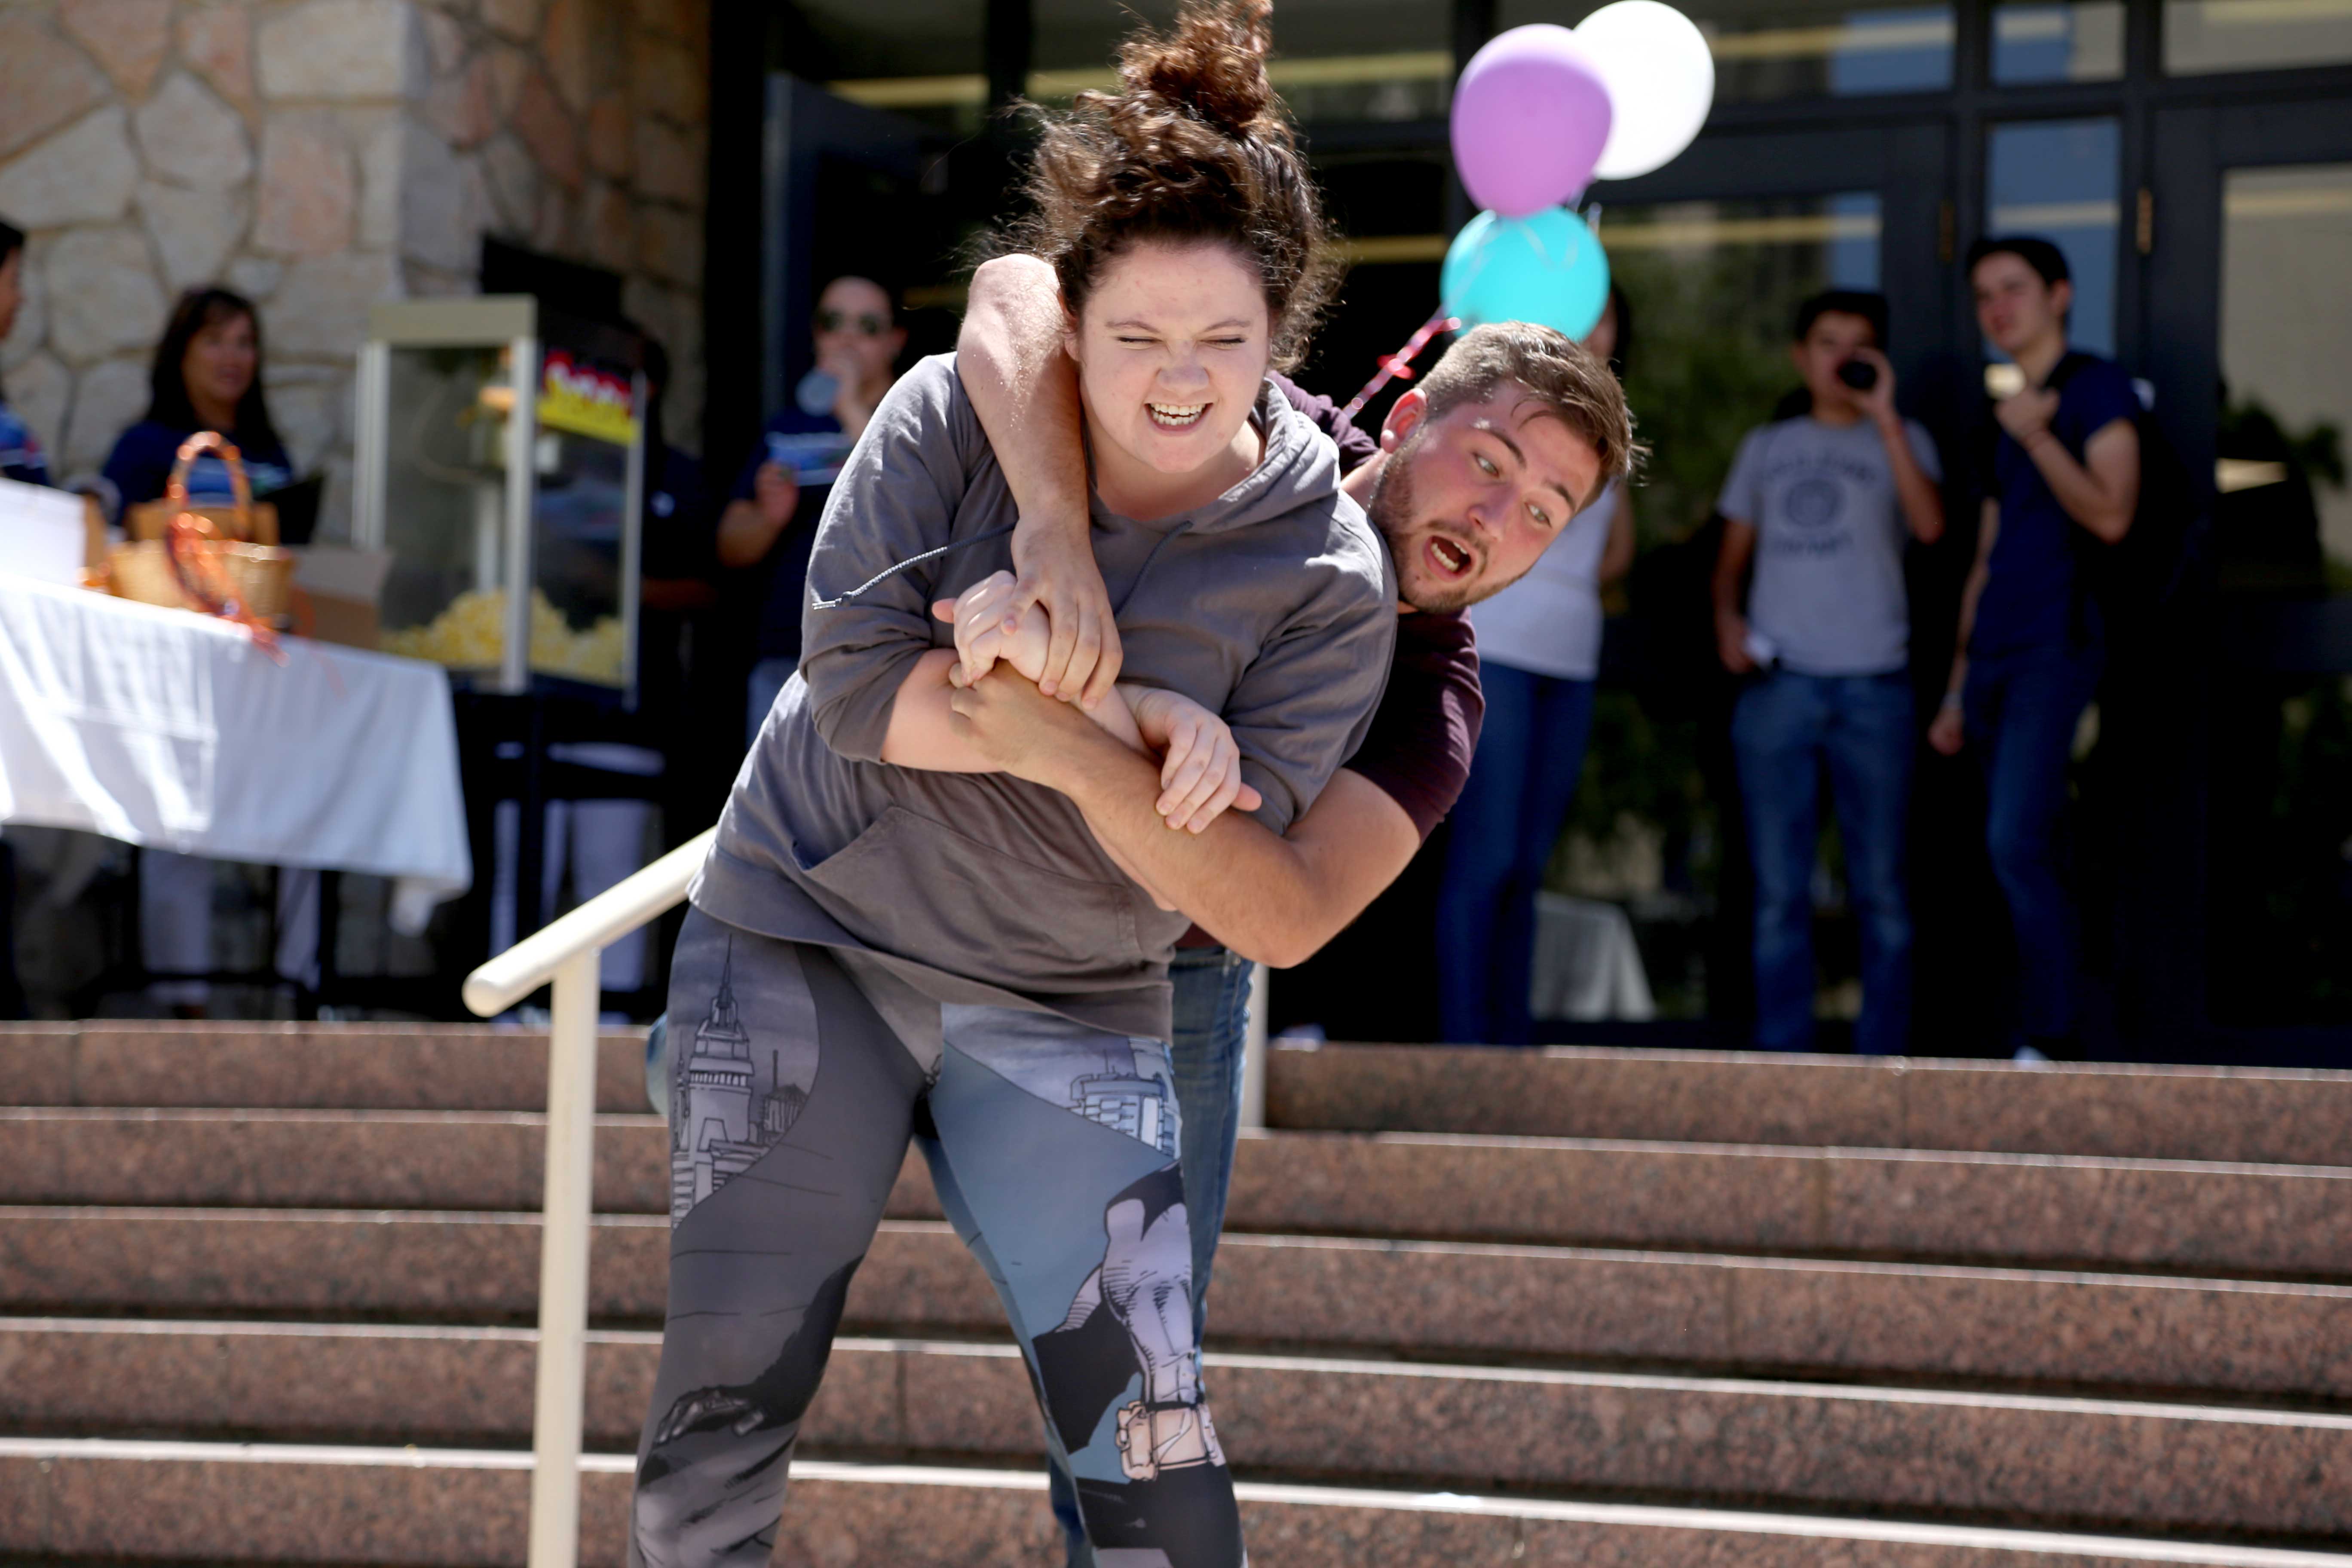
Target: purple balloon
x,y
1530,117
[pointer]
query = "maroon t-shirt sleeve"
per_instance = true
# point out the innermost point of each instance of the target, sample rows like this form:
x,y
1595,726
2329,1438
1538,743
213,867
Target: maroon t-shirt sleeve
x,y
1356,448
1426,727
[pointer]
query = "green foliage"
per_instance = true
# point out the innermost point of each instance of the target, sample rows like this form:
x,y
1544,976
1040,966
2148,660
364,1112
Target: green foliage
x,y
2316,455
1711,361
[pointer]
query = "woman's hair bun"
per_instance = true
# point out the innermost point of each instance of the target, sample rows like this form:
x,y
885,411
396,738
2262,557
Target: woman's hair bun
x,y
1194,146
1213,63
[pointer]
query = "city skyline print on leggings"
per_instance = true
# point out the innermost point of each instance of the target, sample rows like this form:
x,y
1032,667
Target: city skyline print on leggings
x,y
732,1102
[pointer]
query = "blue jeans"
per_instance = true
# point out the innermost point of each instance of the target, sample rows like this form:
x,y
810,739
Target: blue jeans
x,y
768,678
1785,727
1530,753
1212,1025
2021,712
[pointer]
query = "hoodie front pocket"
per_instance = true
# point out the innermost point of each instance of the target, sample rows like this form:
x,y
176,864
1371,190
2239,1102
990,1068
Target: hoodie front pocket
x,y
918,889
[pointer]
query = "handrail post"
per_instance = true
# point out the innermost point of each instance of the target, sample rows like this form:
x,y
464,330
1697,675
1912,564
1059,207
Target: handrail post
x,y
563,1263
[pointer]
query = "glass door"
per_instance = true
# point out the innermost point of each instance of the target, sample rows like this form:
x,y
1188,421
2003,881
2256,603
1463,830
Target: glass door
x,y
1713,254
874,177
2251,245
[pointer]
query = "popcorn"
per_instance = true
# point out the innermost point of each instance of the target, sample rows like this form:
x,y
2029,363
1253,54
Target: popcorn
x,y
471,633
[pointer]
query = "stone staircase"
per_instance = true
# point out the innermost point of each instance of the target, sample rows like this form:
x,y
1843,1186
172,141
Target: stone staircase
x,y
266,1295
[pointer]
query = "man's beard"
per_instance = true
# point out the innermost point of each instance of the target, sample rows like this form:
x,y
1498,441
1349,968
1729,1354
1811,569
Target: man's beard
x,y
1391,512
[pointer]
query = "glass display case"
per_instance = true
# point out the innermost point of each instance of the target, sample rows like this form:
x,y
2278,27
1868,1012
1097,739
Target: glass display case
x,y
512,522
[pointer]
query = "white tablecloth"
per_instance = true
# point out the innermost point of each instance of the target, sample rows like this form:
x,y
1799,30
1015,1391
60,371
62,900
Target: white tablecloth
x,y
174,731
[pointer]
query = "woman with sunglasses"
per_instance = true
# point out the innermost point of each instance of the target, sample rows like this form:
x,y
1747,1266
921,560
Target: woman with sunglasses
x,y
859,342
889,942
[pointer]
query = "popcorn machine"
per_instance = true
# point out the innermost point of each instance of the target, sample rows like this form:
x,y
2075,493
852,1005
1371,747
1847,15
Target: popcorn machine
x,y
501,464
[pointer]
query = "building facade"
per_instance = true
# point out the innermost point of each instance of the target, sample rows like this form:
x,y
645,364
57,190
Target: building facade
x,y
317,155
2193,158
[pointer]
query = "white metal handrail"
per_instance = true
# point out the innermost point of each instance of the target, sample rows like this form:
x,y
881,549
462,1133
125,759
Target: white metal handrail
x,y
568,953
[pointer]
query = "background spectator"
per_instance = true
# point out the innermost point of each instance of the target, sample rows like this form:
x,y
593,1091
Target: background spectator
x,y
1538,654
598,840
786,480
2032,644
21,457
206,375
1820,506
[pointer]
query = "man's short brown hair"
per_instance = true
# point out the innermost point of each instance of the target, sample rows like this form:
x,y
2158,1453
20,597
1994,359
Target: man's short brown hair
x,y
1573,384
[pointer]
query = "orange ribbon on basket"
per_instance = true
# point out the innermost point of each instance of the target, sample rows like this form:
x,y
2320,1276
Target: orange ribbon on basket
x,y
204,573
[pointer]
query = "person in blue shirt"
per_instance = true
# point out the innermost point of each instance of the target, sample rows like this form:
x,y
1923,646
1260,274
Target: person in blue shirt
x,y
2065,482
1818,511
21,457
788,476
207,376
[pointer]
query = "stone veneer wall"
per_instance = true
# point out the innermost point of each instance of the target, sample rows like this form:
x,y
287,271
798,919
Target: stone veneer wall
x,y
321,154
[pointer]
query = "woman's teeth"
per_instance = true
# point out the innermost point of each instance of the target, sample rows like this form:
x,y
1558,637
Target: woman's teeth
x,y
1450,556
1176,416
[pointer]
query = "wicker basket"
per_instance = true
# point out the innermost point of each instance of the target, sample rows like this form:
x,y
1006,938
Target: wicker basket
x,y
217,572
261,576
256,524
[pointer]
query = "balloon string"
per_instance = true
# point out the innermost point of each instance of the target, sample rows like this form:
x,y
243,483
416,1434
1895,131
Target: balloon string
x,y
1398,365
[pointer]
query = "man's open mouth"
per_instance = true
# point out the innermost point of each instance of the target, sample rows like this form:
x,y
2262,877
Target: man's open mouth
x,y
1449,559
1177,416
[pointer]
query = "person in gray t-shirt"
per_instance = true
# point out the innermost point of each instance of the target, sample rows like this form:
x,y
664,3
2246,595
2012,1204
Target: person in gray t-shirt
x,y
1821,506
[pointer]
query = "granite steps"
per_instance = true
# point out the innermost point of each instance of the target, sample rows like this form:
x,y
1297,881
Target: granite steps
x,y
2029,1210
2017,1460
2239,1115
68,1499
1661,1303
2159,1336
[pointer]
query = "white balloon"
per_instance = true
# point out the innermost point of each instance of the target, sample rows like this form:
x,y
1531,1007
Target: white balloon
x,y
1661,81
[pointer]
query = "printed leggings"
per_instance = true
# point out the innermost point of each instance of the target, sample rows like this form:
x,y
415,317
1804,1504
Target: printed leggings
x,y
1054,1147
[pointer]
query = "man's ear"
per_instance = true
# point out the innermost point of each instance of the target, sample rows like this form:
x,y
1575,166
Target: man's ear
x,y
1405,416
2061,297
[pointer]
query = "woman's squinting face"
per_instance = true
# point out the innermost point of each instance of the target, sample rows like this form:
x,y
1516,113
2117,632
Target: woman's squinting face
x,y
221,360
1172,346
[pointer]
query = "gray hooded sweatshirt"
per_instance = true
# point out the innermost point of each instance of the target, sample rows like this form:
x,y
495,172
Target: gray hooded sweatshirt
x,y
1274,605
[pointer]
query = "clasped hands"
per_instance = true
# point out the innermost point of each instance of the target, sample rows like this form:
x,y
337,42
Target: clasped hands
x,y
1023,731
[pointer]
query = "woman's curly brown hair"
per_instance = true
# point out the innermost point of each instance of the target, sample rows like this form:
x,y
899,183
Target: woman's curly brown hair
x,y
1195,146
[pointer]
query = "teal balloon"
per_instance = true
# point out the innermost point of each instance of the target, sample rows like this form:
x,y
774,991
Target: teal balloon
x,y
1545,268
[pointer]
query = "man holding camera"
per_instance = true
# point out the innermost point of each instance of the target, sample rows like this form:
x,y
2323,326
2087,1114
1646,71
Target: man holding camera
x,y
1821,506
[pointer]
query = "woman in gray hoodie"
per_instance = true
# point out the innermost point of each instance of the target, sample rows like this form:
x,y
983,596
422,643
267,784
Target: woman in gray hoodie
x,y
945,952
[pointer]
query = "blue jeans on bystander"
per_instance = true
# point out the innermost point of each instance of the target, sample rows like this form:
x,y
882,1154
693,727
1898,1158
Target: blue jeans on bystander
x,y
2021,711
1530,754
1786,727
768,678
1212,987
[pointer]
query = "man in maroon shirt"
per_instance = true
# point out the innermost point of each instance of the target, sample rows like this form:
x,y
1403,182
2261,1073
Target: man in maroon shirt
x,y
1475,472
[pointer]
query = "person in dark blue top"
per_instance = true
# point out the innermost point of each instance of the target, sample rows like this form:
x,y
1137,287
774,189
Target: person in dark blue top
x,y
207,376
2064,483
21,457
787,477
